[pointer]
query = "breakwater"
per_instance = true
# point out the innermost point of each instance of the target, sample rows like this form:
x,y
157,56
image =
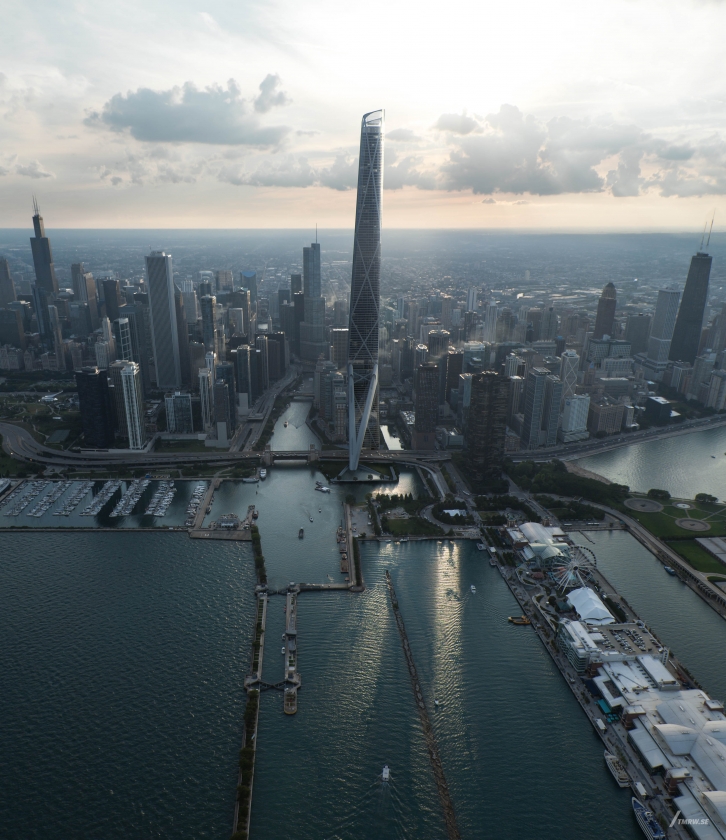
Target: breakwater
x,y
447,805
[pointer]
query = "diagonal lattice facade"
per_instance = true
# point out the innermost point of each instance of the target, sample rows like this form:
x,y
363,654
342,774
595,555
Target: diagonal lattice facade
x,y
365,294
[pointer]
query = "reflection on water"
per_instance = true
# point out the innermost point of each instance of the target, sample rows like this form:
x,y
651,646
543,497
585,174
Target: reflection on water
x,y
393,443
682,465
296,434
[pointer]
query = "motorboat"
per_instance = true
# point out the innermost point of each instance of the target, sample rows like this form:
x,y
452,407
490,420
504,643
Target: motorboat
x,y
283,651
311,519
480,546
520,620
301,533
320,510
285,424
473,588
670,570
436,702
263,474
386,774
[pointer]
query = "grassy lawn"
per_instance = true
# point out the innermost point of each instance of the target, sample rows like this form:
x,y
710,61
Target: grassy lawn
x,y
413,527
697,557
663,523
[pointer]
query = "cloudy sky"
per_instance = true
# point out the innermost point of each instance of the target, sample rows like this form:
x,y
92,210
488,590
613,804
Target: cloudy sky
x,y
519,114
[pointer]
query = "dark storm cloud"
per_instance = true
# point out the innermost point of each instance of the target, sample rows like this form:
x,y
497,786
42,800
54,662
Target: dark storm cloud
x,y
215,115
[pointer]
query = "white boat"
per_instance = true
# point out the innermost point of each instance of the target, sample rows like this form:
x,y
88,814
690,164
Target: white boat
x,y
386,774
283,651
616,768
311,519
436,702
473,588
263,474
480,546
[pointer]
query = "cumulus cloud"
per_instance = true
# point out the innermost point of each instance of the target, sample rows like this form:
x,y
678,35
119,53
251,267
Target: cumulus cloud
x,y
517,153
457,124
402,135
34,169
286,172
215,115
270,97
489,201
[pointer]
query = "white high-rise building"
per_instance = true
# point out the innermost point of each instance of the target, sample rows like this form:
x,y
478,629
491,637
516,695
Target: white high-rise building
x,y
134,403
471,299
570,364
206,394
574,419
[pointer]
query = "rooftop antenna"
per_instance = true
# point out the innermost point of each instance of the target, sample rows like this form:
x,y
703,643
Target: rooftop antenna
x,y
711,228
700,248
316,232
35,206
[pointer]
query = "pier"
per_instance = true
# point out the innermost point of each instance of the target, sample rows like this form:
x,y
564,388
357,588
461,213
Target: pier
x,y
447,805
615,736
292,679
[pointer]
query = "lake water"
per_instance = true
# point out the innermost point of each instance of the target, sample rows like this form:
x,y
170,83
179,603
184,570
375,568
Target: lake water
x,y
682,465
123,658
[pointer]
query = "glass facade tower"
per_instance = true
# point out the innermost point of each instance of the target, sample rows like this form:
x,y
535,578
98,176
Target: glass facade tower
x,y
364,318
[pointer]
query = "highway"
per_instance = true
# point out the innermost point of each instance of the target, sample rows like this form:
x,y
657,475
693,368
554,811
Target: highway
x,y
592,447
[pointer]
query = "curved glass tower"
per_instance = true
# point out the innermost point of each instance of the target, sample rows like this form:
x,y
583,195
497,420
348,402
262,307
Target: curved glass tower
x,y
365,295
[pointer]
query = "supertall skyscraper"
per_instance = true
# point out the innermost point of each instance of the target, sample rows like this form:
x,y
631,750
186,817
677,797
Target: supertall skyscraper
x,y
164,332
364,320
605,312
42,255
687,333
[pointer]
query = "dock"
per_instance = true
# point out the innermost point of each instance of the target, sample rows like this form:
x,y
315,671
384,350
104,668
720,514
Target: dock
x,y
452,829
291,678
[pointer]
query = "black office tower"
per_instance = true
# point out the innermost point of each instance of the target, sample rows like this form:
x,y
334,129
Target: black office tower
x,y
605,312
487,426
97,412
687,332
42,255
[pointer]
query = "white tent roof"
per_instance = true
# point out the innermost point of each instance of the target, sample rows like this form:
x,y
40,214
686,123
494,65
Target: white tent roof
x,y
589,607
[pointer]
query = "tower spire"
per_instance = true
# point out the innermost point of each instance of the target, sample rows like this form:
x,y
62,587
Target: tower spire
x,y
711,228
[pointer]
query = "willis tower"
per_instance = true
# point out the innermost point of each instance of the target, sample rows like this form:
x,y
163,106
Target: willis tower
x,y
42,256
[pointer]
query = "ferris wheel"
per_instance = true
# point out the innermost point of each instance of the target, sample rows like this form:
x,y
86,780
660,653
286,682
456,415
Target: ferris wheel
x,y
576,572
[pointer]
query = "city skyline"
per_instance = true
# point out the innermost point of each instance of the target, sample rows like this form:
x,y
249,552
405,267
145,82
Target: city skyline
x,y
94,125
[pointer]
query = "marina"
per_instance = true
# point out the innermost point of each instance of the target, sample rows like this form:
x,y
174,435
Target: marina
x,y
46,502
162,498
76,497
108,489
130,498
34,489
195,503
